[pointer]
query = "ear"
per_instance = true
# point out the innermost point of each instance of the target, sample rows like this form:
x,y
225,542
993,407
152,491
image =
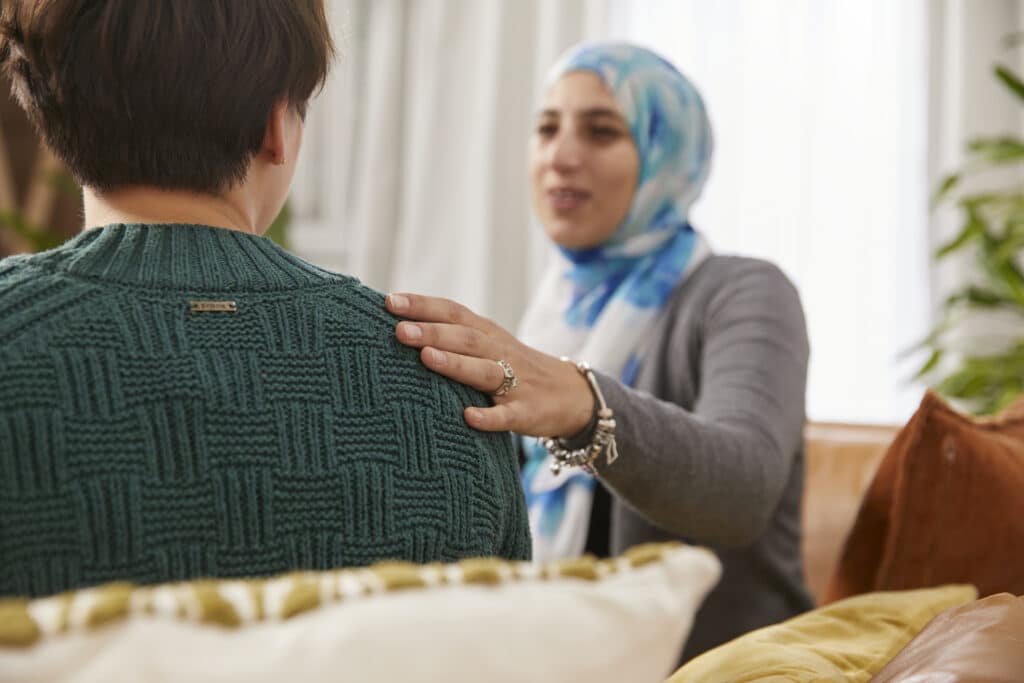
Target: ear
x,y
274,148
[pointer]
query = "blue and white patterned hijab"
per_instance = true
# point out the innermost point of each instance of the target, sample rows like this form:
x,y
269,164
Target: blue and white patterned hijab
x,y
600,304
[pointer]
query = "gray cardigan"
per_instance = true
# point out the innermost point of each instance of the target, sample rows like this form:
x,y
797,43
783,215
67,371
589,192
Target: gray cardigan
x,y
711,442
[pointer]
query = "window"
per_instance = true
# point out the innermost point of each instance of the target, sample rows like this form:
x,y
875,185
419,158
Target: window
x,y
821,120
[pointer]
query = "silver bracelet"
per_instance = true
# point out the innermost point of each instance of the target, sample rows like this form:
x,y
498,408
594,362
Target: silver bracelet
x,y
604,433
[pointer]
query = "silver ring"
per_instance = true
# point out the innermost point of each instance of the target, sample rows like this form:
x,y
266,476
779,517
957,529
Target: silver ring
x,y
510,380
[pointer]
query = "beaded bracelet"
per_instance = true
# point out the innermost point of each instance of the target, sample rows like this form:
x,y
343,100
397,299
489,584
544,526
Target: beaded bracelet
x,y
603,440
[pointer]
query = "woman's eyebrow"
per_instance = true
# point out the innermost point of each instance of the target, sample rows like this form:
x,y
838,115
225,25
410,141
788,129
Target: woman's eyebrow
x,y
591,113
600,112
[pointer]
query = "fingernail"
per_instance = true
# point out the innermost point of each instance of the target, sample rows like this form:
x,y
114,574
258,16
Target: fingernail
x,y
436,357
412,332
398,302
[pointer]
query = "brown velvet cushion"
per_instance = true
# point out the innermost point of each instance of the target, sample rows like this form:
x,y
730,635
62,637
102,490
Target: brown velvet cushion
x,y
979,641
946,506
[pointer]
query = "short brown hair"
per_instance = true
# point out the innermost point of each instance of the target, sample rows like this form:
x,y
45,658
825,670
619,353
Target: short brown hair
x,y
166,93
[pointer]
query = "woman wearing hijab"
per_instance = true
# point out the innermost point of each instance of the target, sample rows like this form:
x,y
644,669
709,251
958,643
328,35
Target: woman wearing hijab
x,y
689,424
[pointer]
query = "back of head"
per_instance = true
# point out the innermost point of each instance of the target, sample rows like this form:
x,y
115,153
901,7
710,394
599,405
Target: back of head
x,y
173,94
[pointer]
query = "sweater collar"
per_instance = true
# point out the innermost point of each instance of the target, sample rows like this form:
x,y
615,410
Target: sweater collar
x,y
181,256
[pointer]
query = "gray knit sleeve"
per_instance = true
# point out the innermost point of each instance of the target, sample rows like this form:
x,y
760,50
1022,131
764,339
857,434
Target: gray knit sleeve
x,y
715,474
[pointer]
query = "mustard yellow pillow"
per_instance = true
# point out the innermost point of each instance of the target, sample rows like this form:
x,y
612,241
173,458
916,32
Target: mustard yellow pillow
x,y
848,640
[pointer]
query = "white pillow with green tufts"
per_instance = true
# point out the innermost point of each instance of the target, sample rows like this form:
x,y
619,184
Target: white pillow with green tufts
x,y
623,619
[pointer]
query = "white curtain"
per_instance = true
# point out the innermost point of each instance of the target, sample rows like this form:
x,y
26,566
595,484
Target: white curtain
x,y
820,116
414,169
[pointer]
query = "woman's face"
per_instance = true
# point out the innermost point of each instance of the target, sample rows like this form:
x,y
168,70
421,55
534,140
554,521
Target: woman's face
x,y
583,162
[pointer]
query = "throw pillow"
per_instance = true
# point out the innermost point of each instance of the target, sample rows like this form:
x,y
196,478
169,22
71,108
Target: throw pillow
x,y
945,506
624,619
845,642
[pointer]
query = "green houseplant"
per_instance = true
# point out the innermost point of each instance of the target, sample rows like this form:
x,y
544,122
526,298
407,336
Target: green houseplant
x,y
39,237
984,380
36,237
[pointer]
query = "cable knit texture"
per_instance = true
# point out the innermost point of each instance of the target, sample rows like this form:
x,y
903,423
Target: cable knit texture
x,y
142,441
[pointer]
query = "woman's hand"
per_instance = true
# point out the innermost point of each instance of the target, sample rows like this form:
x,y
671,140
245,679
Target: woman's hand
x,y
552,398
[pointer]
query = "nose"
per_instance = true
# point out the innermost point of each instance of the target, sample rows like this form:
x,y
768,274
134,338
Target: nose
x,y
565,152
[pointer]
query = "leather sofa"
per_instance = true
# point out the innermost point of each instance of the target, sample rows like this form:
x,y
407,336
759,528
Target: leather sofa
x,y
840,460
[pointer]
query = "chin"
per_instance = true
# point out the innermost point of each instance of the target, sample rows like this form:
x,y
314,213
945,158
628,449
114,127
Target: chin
x,y
571,236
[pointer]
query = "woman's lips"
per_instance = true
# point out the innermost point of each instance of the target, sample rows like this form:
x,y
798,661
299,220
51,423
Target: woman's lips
x,y
567,199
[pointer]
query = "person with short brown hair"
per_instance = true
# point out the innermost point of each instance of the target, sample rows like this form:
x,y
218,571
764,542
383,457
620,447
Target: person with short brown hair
x,y
181,397
162,93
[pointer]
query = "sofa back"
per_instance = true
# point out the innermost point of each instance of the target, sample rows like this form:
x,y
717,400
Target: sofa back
x,y
840,460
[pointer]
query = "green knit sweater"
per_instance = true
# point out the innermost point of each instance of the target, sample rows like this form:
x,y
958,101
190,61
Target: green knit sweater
x,y
142,440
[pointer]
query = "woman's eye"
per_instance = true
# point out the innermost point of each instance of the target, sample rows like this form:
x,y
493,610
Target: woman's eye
x,y
546,130
604,133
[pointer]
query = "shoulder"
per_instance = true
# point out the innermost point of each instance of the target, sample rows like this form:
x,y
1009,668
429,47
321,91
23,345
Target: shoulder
x,y
724,281
352,313
357,317
727,291
34,296
22,274
730,273
14,269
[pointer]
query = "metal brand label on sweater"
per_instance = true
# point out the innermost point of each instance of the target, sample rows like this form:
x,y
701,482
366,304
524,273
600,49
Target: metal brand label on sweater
x,y
213,306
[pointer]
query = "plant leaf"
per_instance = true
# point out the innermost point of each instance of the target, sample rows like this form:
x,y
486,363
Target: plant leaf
x,y
999,150
947,184
1005,197
1009,247
1005,274
1010,80
979,297
963,384
933,337
1009,395
1014,280
929,365
1013,39
973,229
